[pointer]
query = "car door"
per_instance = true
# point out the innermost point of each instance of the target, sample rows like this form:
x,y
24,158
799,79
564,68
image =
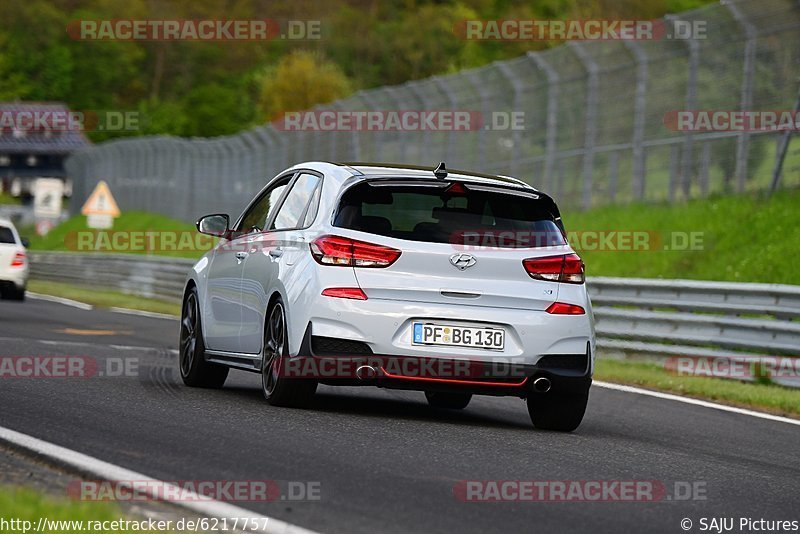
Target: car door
x,y
223,313
274,252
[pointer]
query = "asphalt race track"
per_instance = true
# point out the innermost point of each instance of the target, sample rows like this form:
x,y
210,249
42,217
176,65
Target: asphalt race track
x,y
384,460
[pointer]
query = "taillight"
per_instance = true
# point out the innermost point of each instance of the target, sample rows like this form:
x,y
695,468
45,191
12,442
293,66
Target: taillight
x,y
354,293
567,268
19,260
562,308
343,251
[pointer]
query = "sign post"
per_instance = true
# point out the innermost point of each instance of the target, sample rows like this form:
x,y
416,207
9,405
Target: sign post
x,y
47,197
100,208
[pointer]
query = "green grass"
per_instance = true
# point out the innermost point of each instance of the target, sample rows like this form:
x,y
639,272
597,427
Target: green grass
x,y
186,241
764,397
28,505
6,198
103,298
746,238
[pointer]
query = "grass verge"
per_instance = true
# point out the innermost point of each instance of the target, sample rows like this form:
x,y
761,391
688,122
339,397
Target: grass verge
x,y
27,505
744,238
134,232
768,398
103,298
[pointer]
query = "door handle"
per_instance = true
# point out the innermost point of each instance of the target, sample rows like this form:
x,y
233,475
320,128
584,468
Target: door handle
x,y
276,253
240,257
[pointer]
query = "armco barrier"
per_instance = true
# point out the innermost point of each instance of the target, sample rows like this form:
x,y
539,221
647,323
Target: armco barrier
x,y
656,318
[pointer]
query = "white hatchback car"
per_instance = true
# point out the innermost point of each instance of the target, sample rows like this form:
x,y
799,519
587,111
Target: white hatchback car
x,y
13,262
451,283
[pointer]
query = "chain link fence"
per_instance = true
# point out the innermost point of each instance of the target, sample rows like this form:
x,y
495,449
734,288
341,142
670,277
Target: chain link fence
x,y
593,132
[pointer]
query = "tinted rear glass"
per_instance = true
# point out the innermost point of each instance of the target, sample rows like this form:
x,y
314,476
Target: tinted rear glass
x,y
6,236
433,214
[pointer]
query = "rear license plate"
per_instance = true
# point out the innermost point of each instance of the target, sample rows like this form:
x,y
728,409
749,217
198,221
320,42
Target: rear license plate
x,y
458,336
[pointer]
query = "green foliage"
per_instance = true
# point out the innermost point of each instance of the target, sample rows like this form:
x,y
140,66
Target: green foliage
x,y
28,505
178,85
298,82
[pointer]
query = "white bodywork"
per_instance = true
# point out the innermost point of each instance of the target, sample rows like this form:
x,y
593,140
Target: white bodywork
x,y
18,275
236,281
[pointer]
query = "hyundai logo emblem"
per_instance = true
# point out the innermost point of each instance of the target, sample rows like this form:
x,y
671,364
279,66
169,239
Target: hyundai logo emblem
x,y
462,261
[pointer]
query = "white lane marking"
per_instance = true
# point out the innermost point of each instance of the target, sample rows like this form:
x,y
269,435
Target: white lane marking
x,y
143,313
696,402
106,471
60,300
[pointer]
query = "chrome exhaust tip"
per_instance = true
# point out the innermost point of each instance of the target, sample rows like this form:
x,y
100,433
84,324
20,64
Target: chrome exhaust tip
x,y
366,372
542,385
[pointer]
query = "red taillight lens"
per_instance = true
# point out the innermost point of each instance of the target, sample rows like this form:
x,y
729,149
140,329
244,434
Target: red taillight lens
x,y
343,251
19,260
567,268
345,293
562,308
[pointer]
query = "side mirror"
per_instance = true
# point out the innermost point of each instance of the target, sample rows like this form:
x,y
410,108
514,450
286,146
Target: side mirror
x,y
216,224
25,242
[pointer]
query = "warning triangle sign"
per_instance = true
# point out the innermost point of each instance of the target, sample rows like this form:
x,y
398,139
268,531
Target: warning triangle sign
x,y
101,202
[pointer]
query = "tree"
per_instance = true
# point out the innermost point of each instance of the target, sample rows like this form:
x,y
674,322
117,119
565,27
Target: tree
x,y
298,82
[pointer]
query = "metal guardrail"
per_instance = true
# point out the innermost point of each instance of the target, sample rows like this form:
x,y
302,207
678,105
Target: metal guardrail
x,y
595,130
655,318
145,276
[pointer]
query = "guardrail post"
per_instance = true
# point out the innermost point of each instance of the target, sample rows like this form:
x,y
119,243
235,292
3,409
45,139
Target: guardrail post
x,y
441,83
638,169
748,71
592,72
552,118
423,105
483,95
516,136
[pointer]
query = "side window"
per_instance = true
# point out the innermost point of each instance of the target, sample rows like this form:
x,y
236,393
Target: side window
x,y
6,235
313,207
259,213
292,212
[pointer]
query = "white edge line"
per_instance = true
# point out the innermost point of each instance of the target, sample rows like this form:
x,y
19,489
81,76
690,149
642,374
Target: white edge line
x,y
60,300
143,313
696,402
106,471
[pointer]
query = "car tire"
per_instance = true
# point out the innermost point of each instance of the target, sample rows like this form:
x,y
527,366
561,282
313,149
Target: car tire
x,y
553,411
447,400
278,389
16,294
195,370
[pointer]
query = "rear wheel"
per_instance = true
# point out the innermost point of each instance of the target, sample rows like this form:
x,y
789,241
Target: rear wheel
x,y
16,293
553,411
195,370
278,389
450,401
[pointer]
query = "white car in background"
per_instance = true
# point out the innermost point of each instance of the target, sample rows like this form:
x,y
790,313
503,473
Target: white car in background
x,y
13,262
450,283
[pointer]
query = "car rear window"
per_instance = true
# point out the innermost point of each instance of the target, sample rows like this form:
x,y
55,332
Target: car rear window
x,y
6,235
445,213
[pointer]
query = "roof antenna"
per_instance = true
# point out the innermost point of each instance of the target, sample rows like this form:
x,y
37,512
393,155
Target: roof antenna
x,y
441,171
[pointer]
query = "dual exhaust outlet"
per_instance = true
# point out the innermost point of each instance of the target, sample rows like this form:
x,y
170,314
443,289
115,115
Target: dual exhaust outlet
x,y
368,372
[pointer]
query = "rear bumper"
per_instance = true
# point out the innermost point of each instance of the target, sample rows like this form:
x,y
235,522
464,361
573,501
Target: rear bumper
x,y
567,373
14,276
386,326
